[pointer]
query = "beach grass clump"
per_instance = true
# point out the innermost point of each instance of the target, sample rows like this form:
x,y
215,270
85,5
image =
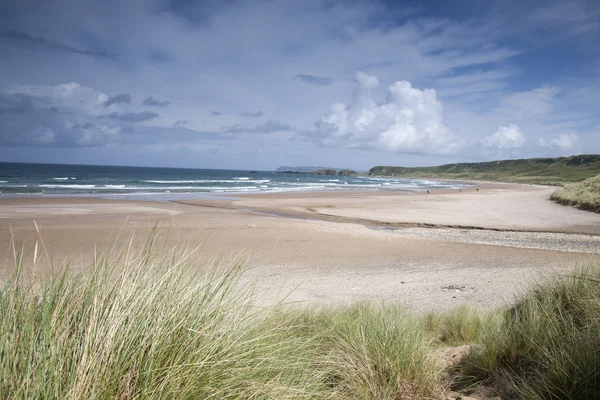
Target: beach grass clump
x,y
546,346
584,195
147,325
151,323
373,351
459,325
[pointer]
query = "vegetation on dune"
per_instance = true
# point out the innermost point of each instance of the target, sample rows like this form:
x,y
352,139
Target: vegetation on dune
x,y
552,171
457,326
546,346
584,195
153,324
145,325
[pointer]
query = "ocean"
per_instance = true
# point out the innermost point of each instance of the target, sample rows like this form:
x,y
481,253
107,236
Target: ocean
x,y
20,179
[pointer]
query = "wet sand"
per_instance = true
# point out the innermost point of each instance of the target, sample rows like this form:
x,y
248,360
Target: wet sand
x,y
429,251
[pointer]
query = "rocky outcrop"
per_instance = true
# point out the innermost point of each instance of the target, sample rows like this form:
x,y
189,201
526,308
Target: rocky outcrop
x,y
325,172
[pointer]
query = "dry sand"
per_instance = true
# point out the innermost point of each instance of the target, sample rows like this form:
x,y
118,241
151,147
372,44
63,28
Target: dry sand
x,y
429,251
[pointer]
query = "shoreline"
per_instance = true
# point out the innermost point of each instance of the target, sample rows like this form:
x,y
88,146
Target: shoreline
x,y
502,207
125,190
310,245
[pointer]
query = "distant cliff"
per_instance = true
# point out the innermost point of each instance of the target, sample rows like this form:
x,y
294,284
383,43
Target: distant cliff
x,y
532,170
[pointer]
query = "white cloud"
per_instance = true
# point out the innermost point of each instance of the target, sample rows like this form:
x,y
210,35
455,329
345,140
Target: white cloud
x,y
409,120
366,81
71,96
506,138
565,141
61,115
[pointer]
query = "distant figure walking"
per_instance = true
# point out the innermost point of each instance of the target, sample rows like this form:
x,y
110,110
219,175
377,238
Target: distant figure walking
x,y
459,190
428,191
477,189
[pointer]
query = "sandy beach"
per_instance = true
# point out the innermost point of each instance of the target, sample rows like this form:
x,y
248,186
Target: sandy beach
x,y
428,251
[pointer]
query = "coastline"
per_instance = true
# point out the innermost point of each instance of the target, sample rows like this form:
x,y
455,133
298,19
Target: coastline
x,y
328,247
490,206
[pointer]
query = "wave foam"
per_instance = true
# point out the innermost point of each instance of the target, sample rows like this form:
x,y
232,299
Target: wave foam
x,y
68,186
212,181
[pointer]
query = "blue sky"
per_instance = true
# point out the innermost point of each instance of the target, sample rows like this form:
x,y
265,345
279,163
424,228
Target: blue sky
x,y
258,84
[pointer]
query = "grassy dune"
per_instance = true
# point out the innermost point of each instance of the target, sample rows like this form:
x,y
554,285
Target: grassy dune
x,y
555,171
543,347
150,323
584,195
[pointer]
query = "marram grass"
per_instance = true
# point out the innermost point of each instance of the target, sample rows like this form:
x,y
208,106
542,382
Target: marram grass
x,y
546,346
145,325
584,195
153,323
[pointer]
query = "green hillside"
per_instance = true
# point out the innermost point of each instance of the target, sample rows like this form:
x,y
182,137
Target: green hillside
x,y
533,170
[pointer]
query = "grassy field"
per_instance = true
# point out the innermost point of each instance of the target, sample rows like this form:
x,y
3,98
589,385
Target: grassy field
x,y
151,323
554,171
584,195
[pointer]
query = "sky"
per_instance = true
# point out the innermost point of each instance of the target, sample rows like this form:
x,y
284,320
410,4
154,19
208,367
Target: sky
x,y
264,83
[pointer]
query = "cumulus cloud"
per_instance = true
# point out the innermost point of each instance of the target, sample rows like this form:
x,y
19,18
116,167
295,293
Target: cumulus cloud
x,y
565,142
120,98
506,138
43,129
366,81
131,116
90,134
30,116
267,127
252,113
71,97
152,102
409,120
315,80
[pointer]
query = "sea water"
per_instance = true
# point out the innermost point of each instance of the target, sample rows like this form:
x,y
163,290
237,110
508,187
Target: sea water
x,y
20,179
